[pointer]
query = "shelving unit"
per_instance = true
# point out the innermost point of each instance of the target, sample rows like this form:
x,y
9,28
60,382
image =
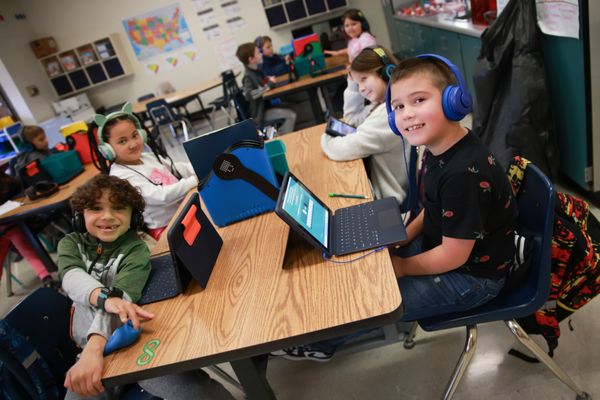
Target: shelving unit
x,y
282,13
86,66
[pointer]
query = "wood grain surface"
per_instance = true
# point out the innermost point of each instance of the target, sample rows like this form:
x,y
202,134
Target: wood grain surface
x,y
63,194
253,298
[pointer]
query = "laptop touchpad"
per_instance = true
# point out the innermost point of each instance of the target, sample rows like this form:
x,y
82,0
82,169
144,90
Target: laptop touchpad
x,y
388,218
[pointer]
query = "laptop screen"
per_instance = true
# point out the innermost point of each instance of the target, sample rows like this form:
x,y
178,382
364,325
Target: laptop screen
x,y
306,210
202,150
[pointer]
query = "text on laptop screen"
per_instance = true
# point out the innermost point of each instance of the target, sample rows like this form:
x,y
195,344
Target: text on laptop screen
x,y
299,204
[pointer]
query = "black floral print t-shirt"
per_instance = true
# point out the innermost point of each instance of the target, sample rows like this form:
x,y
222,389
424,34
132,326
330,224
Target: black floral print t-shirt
x,y
468,196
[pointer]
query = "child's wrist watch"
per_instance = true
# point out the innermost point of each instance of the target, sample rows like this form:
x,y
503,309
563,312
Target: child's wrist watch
x,y
105,294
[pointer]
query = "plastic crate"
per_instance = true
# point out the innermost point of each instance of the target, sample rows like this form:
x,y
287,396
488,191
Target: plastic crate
x,y
276,152
62,167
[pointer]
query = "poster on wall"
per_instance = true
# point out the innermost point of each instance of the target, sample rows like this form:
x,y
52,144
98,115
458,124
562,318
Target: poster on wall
x,y
159,31
236,24
225,51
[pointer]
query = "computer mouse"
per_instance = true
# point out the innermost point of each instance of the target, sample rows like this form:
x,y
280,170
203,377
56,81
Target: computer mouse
x,y
123,336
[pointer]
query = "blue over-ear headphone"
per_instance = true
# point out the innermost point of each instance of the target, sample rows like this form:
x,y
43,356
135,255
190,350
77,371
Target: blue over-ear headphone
x,y
258,42
106,149
456,99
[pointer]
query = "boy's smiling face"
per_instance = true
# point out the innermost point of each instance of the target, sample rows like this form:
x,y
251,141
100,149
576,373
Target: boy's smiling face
x,y
106,221
417,105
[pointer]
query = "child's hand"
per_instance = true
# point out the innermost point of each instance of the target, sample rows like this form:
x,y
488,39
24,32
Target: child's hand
x,y
330,52
272,79
127,310
84,377
288,59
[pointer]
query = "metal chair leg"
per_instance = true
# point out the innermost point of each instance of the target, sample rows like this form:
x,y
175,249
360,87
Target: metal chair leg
x,y
409,342
520,334
221,373
463,362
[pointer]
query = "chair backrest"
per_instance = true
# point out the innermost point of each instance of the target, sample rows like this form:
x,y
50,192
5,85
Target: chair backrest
x,y
160,112
43,318
536,219
229,84
242,107
146,97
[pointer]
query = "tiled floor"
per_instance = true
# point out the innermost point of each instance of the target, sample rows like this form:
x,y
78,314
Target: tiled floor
x,y
393,372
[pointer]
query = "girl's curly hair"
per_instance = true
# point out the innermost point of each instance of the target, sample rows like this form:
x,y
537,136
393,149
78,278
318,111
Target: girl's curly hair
x,y
121,193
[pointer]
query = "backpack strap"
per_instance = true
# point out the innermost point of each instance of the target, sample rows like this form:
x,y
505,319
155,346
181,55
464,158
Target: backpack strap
x,y
516,172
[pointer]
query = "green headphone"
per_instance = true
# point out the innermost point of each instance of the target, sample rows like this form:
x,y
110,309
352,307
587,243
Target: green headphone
x,y
106,149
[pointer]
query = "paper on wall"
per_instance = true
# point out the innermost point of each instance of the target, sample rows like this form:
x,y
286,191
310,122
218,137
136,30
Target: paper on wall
x,y
201,4
231,8
225,51
236,24
558,18
207,17
213,32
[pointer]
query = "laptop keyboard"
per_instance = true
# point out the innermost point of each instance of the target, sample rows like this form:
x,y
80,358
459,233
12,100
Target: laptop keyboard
x,y
162,282
352,226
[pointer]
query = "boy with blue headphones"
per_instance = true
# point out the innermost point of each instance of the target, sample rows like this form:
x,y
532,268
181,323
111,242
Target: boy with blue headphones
x,y
466,228
461,244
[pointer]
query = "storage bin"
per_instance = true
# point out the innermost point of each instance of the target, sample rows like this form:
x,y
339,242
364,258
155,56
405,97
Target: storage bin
x,y
77,138
62,167
276,152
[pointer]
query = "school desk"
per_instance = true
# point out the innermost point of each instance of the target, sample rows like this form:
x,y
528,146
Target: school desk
x,y
312,85
30,208
265,292
184,96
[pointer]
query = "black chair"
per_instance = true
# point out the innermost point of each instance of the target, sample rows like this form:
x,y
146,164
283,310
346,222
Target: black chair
x,y
43,319
242,109
223,103
536,220
161,115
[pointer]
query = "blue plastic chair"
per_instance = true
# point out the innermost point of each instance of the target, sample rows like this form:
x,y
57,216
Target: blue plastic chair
x,y
536,219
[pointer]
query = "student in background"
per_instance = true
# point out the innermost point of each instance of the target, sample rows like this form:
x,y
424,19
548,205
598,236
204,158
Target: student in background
x,y
36,138
10,234
162,182
255,83
104,267
272,64
356,28
387,156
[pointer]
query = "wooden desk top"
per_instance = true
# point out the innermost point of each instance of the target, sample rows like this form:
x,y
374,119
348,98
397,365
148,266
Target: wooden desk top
x,y
307,80
189,91
251,304
62,195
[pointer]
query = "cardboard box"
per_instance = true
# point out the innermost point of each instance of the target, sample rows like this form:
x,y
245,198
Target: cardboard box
x,y
44,47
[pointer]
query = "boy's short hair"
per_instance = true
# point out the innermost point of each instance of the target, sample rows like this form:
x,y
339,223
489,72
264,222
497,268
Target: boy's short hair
x,y
244,52
440,74
30,132
262,40
121,193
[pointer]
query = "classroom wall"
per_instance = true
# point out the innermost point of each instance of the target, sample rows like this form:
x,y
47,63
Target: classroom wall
x,y
73,23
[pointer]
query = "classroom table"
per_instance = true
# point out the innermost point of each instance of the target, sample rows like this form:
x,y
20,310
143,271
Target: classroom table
x,y
266,292
55,202
312,85
184,96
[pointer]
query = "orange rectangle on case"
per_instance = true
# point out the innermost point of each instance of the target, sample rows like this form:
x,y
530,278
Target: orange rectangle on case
x,y
191,225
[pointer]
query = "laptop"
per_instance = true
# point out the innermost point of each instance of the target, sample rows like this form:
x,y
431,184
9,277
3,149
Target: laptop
x,y
194,245
202,150
348,230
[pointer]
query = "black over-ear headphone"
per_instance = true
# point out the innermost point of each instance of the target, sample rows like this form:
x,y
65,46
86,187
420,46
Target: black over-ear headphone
x,y
78,221
364,24
388,67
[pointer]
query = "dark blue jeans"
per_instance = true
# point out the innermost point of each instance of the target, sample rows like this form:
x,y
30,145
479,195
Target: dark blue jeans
x,y
430,295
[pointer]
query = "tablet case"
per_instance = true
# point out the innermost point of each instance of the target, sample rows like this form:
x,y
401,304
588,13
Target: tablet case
x,y
242,184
